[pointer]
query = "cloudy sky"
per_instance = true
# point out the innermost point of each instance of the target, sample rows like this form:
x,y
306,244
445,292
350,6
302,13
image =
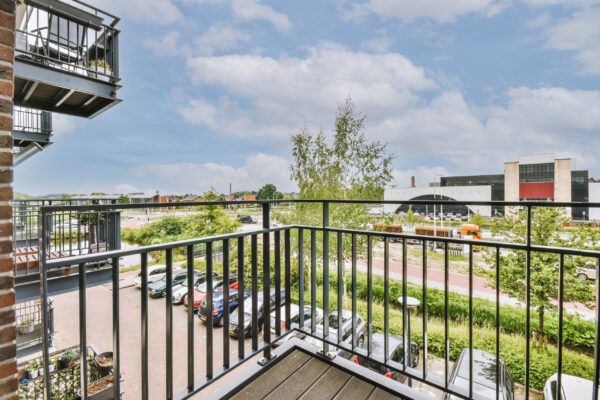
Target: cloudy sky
x,y
213,89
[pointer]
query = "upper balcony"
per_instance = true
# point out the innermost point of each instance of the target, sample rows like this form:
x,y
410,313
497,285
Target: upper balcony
x,y
459,344
66,57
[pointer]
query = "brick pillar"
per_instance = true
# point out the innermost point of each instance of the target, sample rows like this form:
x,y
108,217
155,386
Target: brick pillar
x,y
8,345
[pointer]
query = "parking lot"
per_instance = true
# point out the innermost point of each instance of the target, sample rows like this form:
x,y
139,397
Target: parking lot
x,y
99,333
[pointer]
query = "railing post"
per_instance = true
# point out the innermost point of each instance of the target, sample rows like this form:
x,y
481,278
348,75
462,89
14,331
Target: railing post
x,y
266,214
44,296
325,276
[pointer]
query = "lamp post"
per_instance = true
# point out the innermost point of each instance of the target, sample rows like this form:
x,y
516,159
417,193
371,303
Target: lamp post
x,y
411,305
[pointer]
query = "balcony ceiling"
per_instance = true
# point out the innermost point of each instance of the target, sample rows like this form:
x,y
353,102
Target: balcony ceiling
x,y
50,89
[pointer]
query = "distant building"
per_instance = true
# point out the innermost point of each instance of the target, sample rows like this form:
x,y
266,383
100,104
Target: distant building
x,y
249,197
537,177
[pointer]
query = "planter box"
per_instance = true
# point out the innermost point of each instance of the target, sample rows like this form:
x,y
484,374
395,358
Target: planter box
x,y
105,393
26,329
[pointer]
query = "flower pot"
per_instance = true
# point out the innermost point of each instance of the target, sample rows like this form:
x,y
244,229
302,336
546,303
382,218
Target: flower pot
x,y
52,367
104,361
62,364
33,374
26,329
41,371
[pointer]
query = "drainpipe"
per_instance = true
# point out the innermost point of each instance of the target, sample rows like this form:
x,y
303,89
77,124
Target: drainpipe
x,y
26,153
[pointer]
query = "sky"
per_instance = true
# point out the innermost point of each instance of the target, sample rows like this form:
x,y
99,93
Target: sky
x,y
214,89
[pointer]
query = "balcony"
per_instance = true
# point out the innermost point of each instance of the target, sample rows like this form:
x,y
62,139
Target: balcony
x,y
32,130
301,268
66,57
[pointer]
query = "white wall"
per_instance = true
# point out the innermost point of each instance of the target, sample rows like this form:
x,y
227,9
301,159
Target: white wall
x,y
459,193
594,188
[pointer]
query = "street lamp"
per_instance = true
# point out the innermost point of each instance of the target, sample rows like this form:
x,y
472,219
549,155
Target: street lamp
x,y
411,305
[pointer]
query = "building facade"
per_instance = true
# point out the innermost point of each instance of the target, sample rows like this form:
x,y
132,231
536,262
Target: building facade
x,y
540,177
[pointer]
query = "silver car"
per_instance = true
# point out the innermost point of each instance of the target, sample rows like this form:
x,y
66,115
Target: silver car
x,y
181,290
573,388
295,318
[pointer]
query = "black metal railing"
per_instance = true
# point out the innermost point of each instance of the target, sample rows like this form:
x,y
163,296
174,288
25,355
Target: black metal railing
x,y
277,256
67,234
73,37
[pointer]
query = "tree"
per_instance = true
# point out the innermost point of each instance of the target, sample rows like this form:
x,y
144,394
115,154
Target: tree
x,y
410,216
477,219
269,192
348,167
123,200
547,229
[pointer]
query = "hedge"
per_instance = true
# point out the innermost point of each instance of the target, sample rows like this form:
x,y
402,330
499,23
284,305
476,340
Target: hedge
x,y
543,362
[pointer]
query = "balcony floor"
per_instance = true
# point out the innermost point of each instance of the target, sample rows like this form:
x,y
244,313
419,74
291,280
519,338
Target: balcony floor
x,y
298,372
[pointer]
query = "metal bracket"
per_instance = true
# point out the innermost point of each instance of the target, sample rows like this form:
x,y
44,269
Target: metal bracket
x,y
263,360
328,355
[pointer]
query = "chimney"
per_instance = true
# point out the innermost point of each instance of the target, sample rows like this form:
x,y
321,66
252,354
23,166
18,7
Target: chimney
x,y
412,181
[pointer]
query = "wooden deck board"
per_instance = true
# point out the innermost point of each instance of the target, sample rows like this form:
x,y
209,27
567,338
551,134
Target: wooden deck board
x,y
293,387
379,394
355,389
262,386
327,385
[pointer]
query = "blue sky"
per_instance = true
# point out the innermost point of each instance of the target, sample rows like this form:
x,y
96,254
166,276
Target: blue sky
x,y
213,89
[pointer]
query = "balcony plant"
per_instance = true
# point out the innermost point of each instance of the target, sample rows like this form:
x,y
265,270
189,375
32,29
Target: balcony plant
x,y
68,359
33,369
25,326
53,362
98,68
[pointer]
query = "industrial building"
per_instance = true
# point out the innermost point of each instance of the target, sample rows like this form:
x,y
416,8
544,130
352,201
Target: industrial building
x,y
540,177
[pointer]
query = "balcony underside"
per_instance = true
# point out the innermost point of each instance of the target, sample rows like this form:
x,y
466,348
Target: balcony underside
x,y
50,89
299,372
24,138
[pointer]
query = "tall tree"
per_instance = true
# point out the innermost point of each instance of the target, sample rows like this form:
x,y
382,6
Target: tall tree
x,y
547,229
268,192
347,167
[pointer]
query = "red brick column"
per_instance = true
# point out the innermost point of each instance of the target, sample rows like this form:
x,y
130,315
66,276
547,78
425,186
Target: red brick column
x,y
8,346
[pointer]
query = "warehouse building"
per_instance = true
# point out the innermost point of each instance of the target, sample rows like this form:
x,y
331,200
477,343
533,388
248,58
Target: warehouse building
x,y
540,177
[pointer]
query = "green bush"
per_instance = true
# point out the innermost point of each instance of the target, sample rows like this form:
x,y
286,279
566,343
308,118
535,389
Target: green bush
x,y
512,319
543,362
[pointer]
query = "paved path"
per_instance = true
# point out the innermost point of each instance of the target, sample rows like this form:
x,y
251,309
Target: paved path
x,y
458,283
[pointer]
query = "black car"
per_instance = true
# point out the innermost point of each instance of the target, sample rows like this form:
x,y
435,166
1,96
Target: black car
x,y
484,376
245,219
395,353
234,323
159,288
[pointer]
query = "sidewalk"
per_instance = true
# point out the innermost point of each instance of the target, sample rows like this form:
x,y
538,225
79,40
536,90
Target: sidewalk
x,y
458,283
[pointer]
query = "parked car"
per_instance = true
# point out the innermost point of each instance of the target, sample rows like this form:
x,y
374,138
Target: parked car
x,y
246,324
395,353
159,288
201,290
573,388
295,319
245,219
155,272
484,376
181,290
586,272
361,331
219,306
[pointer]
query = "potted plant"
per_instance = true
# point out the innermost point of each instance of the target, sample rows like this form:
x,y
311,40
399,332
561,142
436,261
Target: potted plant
x,y
33,369
99,69
53,362
68,359
25,326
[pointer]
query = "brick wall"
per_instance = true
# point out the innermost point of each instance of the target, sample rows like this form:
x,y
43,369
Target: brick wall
x,y
8,347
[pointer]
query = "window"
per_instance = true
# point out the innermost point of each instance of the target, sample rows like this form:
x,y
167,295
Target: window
x,y
536,172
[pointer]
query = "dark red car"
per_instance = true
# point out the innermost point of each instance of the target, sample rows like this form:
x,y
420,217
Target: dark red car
x,y
200,292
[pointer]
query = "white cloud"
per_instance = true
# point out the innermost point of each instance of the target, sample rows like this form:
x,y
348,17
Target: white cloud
x,y
286,92
379,44
162,12
579,34
554,120
423,176
166,46
442,11
258,170
63,125
250,10
219,37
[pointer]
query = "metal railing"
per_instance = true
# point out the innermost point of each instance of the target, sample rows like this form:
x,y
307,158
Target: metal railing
x,y
73,37
32,121
287,248
66,234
